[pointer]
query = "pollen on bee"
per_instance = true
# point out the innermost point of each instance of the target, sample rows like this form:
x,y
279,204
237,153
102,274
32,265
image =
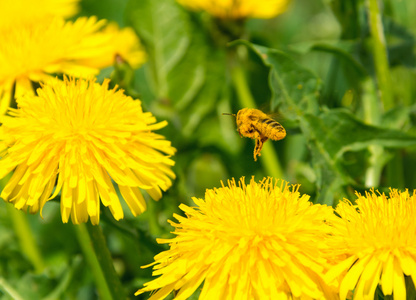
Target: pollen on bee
x,y
255,124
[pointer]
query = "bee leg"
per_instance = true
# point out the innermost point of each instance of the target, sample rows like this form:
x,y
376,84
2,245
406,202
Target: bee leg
x,y
259,145
255,150
239,133
263,140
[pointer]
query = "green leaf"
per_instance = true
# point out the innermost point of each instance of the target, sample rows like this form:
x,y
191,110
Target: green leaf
x,y
345,72
335,132
340,49
187,79
175,50
339,131
205,101
295,90
397,117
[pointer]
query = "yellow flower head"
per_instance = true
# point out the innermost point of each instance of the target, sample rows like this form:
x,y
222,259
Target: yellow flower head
x,y
16,12
86,139
238,9
31,52
376,239
257,241
123,42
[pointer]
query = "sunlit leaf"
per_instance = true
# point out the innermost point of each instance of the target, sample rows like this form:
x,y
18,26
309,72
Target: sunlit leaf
x,y
341,49
165,30
335,132
295,90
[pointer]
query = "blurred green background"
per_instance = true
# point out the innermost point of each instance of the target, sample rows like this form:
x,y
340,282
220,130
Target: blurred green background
x,y
346,100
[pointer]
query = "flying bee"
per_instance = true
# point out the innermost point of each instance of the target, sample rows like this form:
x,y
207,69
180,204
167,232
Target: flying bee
x,y
255,124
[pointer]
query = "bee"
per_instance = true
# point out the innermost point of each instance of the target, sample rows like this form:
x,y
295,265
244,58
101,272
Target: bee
x,y
255,124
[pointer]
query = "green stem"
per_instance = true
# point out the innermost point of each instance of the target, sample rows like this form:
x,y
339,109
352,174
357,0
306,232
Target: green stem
x,y
269,158
25,236
241,86
379,50
377,161
7,288
372,115
98,256
382,69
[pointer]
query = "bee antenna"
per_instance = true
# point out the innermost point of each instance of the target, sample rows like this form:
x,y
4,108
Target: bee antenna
x,y
227,114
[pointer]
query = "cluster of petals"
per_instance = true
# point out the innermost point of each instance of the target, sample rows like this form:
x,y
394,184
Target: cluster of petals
x,y
375,243
16,12
39,46
266,241
231,9
81,140
263,240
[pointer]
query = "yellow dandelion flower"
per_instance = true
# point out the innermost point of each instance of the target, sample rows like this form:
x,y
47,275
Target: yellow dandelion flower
x,y
377,243
257,241
15,12
238,9
124,43
30,53
86,139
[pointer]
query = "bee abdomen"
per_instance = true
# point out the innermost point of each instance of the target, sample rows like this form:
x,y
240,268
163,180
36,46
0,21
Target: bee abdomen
x,y
268,121
273,129
272,123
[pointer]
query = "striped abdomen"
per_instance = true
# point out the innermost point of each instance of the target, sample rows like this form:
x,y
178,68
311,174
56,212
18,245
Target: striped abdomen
x,y
271,129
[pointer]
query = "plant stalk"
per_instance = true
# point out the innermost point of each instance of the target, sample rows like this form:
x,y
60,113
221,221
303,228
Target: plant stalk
x,y
26,239
380,54
98,256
